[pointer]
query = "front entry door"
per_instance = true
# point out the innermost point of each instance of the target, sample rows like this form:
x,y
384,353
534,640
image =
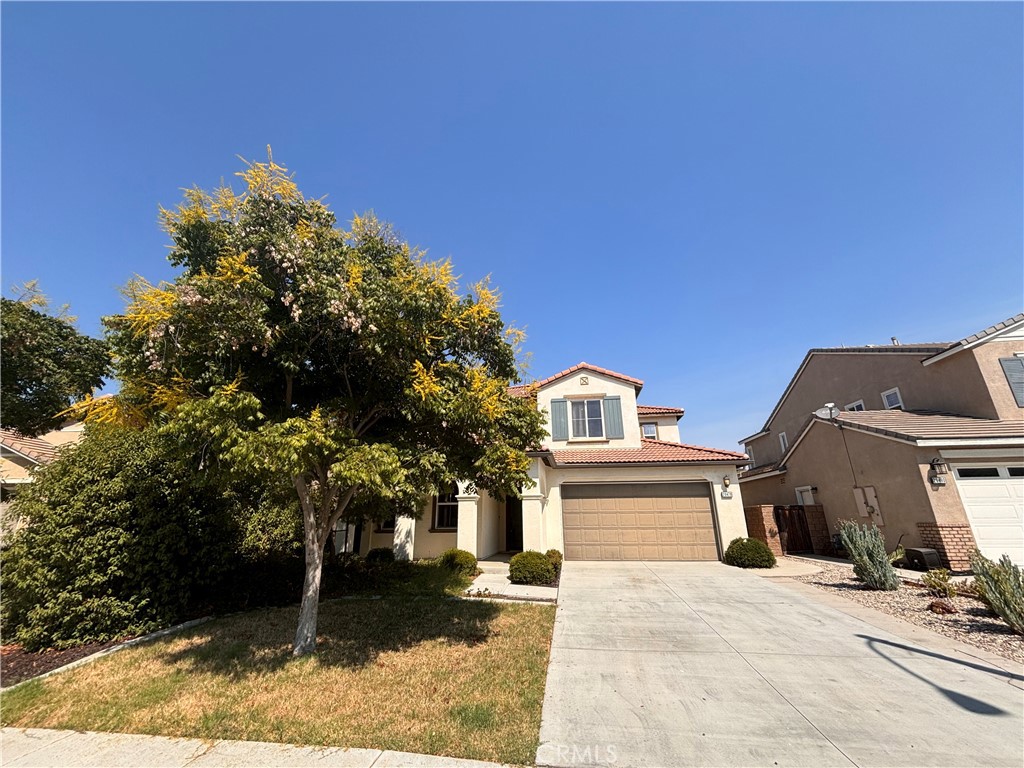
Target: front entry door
x,y
513,525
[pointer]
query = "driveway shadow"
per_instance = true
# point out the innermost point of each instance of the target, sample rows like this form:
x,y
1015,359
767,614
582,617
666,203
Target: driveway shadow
x,y
962,700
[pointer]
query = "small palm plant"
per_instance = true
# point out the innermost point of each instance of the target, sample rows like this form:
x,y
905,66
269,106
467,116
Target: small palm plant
x,y
871,562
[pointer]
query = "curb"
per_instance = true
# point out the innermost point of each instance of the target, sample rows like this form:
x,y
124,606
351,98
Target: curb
x,y
113,649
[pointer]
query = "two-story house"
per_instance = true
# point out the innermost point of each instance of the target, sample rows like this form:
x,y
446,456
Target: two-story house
x,y
926,440
611,482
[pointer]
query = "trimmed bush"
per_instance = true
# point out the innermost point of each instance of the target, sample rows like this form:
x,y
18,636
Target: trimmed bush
x,y
871,563
749,553
531,567
458,560
938,582
380,556
1002,586
556,560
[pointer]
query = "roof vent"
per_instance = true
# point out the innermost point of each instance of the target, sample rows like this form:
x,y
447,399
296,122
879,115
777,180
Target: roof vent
x,y
895,341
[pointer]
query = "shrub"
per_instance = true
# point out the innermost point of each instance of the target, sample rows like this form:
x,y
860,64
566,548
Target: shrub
x,y
975,588
122,537
1003,587
556,560
458,560
530,568
749,553
380,556
871,562
938,582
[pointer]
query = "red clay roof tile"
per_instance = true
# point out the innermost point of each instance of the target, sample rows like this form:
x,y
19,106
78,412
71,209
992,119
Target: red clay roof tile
x,y
649,452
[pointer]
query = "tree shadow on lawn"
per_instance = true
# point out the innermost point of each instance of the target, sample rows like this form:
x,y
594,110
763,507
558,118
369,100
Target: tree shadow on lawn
x,y
350,632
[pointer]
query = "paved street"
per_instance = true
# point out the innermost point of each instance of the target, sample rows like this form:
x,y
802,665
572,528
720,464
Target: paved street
x,y
671,664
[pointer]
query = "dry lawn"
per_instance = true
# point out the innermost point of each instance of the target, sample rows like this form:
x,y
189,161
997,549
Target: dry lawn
x,y
416,673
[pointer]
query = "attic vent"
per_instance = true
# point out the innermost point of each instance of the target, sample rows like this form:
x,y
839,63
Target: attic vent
x,y
584,381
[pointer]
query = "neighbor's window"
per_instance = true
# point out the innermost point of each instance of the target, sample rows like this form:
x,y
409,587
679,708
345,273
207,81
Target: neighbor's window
x,y
650,431
387,526
586,418
892,400
783,441
446,511
857,405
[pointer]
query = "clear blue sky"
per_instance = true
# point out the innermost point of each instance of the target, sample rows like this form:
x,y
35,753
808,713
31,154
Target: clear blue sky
x,y
692,194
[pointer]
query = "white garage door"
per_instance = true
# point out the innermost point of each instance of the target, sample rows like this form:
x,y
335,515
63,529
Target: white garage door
x,y
993,497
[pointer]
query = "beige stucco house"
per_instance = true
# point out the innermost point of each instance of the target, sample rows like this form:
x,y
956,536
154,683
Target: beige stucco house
x,y
20,455
612,482
928,442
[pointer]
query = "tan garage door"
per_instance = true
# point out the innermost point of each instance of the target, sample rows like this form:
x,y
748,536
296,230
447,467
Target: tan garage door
x,y
658,521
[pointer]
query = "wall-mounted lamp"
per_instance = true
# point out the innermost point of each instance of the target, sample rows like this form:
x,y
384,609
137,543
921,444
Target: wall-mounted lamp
x,y
726,482
939,466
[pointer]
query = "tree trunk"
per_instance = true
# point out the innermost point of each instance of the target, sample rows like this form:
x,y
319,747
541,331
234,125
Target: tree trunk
x,y
305,635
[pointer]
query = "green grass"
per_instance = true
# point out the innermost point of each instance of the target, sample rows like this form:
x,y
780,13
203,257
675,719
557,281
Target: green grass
x,y
413,671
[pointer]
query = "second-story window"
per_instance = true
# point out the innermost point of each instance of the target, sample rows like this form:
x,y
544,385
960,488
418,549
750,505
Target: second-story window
x,y
892,400
650,431
586,418
783,441
857,405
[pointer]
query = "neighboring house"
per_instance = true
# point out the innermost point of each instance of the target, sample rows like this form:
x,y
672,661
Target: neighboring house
x,y
928,443
20,455
612,482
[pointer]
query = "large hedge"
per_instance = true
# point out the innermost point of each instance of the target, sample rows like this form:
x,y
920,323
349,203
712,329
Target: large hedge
x,y
123,536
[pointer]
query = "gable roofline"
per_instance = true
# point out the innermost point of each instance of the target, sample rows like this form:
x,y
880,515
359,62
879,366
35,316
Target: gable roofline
x,y
659,410
886,349
33,449
637,383
976,338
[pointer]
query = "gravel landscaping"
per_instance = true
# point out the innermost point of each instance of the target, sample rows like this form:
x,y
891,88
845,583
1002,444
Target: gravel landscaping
x,y
974,623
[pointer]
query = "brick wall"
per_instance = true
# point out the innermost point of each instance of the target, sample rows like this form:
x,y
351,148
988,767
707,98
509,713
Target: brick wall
x,y
761,525
954,543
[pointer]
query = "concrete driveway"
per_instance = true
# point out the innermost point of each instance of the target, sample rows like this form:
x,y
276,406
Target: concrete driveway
x,y
673,664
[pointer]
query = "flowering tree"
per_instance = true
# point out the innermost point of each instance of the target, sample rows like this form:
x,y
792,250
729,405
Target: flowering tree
x,y
341,361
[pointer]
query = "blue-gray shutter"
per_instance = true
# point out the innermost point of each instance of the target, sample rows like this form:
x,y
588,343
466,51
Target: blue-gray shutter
x,y
559,420
613,418
1013,367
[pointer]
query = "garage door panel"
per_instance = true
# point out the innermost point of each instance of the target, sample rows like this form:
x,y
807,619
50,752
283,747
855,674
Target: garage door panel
x,y
994,506
670,521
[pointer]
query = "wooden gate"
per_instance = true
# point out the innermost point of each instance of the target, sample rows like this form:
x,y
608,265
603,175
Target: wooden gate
x,y
794,536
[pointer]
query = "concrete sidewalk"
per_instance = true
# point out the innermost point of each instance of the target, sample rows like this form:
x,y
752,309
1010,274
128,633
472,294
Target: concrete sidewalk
x,y
41,748
494,581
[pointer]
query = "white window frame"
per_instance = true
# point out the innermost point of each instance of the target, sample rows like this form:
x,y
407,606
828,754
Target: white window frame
x,y
854,406
783,441
750,454
645,425
805,489
899,397
449,501
586,419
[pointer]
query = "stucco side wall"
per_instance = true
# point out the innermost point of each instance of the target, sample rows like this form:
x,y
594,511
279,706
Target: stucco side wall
x,y
728,512
599,386
955,385
897,471
428,544
15,468
985,360
492,525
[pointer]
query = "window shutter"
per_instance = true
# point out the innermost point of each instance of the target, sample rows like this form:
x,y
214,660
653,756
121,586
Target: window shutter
x,y
613,418
559,420
1013,367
